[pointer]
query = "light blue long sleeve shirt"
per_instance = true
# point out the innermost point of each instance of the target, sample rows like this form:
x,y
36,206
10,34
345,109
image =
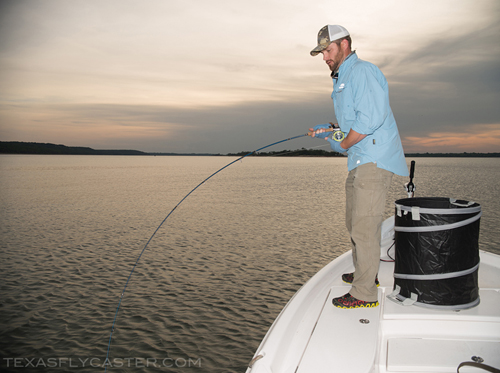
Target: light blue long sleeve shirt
x,y
361,101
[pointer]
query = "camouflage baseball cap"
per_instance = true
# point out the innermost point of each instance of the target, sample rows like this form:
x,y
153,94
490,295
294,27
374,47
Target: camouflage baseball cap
x,y
328,34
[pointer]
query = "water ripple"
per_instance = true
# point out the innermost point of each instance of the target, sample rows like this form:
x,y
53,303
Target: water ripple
x,y
213,279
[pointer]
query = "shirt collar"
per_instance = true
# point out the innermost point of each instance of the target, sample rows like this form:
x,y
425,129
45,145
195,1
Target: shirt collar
x,y
335,74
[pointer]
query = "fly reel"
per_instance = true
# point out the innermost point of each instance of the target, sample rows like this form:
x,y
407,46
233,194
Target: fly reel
x,y
338,135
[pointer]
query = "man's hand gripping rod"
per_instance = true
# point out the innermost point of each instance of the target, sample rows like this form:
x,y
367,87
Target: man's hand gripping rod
x,y
338,135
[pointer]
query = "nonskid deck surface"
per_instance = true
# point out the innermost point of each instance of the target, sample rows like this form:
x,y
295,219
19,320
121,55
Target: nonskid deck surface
x,y
334,332
396,338
388,338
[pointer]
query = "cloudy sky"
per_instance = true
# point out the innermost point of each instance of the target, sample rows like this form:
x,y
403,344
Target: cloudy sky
x,y
224,76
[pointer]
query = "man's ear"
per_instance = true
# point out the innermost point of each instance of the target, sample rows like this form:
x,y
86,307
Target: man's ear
x,y
344,45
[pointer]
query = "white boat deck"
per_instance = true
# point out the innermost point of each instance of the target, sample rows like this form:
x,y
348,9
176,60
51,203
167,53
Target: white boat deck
x,y
312,336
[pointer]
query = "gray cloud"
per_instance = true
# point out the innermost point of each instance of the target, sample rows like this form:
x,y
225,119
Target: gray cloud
x,y
99,75
211,129
448,84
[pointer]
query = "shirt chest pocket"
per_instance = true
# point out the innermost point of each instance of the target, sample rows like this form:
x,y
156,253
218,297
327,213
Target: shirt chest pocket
x,y
343,100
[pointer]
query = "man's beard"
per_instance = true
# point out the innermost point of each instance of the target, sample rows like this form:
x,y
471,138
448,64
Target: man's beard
x,y
337,61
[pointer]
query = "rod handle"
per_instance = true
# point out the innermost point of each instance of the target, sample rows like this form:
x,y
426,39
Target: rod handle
x,y
326,130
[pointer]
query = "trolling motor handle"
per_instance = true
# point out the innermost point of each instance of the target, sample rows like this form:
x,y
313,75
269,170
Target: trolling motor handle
x,y
410,187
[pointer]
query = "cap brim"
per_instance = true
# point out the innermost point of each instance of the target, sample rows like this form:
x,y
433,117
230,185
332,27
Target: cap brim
x,y
318,50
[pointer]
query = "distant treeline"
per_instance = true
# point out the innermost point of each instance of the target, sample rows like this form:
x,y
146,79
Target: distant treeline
x,y
18,147
15,147
291,153
453,155
324,153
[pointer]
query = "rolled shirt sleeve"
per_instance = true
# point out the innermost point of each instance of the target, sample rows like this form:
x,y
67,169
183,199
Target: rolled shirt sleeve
x,y
361,101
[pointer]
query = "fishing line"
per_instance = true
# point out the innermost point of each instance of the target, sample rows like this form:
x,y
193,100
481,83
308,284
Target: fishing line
x,y
106,361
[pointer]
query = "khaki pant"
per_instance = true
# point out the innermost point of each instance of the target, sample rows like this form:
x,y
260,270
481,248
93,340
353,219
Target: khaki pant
x,y
366,191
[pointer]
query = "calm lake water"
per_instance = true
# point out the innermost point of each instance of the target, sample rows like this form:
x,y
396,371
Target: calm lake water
x,y
213,278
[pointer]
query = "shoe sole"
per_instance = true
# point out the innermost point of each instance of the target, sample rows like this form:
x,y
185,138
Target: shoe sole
x,y
351,308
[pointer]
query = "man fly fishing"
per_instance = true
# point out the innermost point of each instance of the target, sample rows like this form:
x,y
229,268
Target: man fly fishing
x,y
374,150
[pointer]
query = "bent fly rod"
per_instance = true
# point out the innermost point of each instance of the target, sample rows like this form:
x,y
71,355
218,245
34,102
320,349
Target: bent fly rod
x,y
106,361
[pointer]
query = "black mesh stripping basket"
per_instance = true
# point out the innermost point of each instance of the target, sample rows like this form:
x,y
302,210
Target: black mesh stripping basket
x,y
437,253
